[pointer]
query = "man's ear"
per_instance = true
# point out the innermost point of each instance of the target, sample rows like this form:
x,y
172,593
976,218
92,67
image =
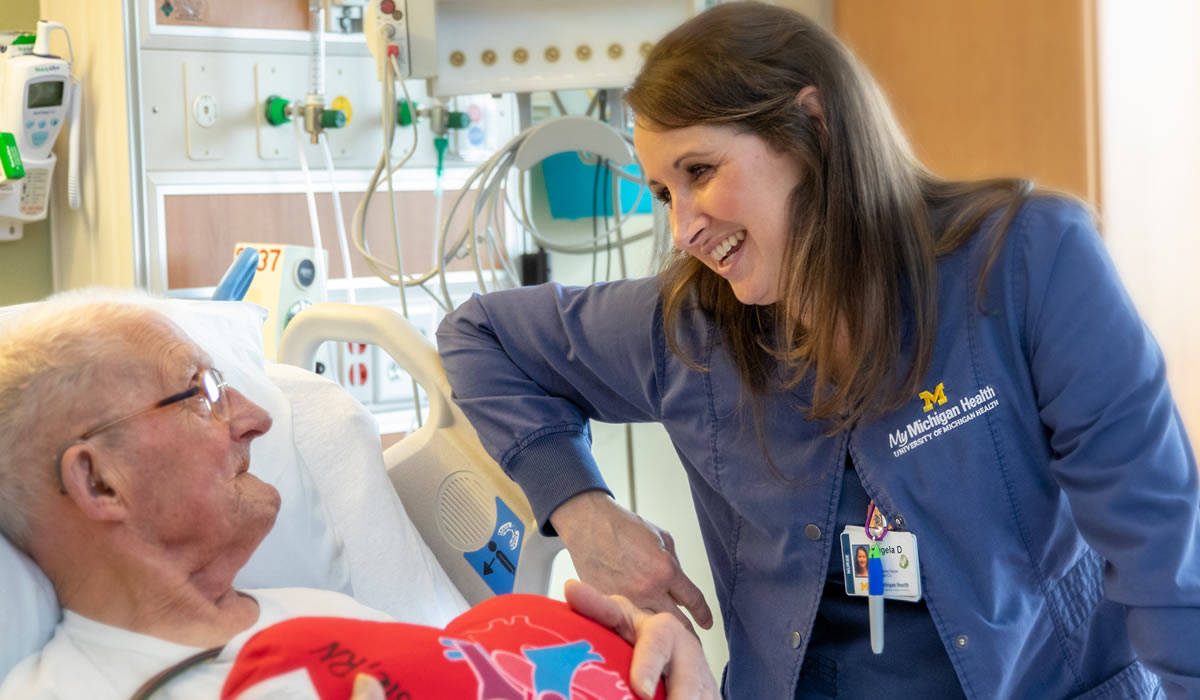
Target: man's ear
x,y
85,485
810,102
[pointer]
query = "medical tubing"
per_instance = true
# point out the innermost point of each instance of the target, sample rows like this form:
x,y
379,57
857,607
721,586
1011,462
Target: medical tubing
x,y
490,182
377,266
562,108
389,116
438,196
394,74
339,221
487,200
74,196
314,225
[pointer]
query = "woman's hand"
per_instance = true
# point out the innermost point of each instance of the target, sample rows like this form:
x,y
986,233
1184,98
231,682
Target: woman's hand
x,y
367,687
620,553
662,646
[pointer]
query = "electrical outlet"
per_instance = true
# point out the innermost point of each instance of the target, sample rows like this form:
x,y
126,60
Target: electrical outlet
x,y
356,366
392,384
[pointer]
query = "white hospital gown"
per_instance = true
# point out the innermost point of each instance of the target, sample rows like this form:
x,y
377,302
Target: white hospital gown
x,y
88,659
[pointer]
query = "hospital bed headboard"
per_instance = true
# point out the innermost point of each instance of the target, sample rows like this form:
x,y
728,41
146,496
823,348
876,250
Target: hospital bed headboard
x,y
476,521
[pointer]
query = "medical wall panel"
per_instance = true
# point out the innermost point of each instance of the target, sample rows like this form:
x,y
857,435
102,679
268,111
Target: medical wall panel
x,y
524,45
273,14
179,135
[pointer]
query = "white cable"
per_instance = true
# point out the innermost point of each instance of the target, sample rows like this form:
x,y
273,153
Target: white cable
x,y
74,195
389,116
378,266
314,225
480,237
395,74
339,220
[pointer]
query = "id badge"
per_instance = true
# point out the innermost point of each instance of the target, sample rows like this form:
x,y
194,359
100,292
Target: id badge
x,y
901,568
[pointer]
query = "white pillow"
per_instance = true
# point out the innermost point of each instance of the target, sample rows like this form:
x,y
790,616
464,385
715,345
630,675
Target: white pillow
x,y
391,567
301,550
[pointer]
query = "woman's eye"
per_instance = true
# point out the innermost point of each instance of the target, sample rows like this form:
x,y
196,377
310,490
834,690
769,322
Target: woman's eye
x,y
663,196
699,170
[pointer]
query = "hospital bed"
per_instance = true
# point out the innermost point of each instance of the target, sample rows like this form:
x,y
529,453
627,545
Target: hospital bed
x,y
420,531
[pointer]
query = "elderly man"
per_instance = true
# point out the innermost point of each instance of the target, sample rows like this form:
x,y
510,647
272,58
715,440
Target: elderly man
x,y
124,464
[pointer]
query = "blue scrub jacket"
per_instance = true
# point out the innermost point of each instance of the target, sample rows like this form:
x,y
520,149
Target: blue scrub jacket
x,y
1044,470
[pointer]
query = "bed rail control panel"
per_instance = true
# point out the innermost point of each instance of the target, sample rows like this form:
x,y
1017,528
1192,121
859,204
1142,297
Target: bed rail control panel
x,y
475,519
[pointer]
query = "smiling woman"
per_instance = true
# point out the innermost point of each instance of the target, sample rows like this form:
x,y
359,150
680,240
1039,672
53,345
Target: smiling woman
x,y
723,190
841,331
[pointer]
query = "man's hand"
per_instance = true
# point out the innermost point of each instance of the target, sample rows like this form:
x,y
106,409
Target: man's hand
x,y
618,552
662,647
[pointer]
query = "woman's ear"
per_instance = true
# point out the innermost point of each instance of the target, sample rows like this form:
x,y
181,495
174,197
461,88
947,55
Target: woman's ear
x,y
809,101
83,483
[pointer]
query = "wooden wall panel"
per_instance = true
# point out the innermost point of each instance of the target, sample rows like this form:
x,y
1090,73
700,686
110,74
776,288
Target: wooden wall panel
x,y
201,231
987,87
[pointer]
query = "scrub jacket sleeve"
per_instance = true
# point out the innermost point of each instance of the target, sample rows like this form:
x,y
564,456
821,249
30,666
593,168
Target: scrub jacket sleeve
x,y
530,366
1119,450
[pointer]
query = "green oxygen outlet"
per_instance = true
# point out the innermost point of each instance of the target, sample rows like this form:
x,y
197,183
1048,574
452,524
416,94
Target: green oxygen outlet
x,y
276,111
10,158
441,143
332,119
458,120
404,112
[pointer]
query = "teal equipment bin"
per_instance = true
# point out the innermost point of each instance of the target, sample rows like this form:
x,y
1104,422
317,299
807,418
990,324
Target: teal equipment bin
x,y
575,192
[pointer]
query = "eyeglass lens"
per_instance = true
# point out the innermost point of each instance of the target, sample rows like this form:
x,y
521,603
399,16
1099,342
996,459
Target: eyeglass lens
x,y
214,387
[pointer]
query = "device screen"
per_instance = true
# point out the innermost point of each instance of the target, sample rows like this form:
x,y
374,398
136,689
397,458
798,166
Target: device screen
x,y
46,93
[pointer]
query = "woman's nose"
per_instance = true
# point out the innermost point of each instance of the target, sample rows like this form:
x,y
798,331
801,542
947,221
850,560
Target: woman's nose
x,y
686,224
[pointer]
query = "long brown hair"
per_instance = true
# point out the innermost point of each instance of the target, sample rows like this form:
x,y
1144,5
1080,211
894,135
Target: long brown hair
x,y
860,262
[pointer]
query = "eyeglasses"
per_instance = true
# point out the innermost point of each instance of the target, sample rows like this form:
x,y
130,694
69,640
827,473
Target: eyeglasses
x,y
211,390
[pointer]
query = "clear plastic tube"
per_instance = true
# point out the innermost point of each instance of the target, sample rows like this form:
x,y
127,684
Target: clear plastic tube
x,y
316,61
339,221
314,225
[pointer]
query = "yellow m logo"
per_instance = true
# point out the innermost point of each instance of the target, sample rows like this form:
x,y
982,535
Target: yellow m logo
x,y
939,395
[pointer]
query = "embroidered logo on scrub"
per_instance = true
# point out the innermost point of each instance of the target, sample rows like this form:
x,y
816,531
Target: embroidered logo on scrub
x,y
937,423
939,395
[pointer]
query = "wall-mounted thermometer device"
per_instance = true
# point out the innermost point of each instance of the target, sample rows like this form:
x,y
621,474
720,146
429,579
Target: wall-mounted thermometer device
x,y
38,96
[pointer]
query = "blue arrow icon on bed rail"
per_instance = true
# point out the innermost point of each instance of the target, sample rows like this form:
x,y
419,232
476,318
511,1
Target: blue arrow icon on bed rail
x,y
497,560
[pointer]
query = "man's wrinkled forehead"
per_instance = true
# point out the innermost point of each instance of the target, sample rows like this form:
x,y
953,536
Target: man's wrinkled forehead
x,y
167,351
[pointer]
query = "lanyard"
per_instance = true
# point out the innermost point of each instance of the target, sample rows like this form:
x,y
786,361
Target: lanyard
x,y
876,528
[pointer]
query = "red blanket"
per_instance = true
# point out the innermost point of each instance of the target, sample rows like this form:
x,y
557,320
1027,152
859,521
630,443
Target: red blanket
x,y
512,647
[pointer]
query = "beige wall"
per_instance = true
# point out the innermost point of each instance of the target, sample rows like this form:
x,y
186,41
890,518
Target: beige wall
x,y
1149,93
25,271
95,244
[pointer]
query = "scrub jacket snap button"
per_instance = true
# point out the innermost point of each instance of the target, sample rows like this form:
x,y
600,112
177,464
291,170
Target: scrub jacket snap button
x,y
961,641
795,640
898,521
812,532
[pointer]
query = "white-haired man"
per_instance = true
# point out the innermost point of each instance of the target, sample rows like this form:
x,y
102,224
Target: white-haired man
x,y
124,464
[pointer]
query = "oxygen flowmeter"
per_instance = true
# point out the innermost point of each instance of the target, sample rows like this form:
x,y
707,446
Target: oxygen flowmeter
x,y
38,96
